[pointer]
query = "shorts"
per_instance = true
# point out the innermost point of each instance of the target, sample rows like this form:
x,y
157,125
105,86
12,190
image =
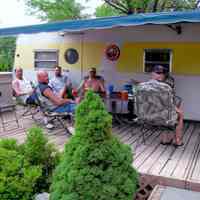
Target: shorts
x,y
66,108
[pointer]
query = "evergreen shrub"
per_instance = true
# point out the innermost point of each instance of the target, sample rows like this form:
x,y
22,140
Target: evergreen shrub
x,y
95,164
26,169
39,152
17,177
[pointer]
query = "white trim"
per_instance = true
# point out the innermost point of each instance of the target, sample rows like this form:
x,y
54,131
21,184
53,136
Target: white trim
x,y
170,61
46,50
144,62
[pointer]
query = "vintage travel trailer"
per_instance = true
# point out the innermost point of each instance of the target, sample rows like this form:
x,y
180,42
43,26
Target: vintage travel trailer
x,y
121,48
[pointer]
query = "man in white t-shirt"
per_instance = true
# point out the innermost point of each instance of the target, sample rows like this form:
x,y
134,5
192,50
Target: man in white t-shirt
x,y
22,88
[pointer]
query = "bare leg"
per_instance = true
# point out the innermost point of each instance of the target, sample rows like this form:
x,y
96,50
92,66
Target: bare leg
x,y
163,138
179,128
166,138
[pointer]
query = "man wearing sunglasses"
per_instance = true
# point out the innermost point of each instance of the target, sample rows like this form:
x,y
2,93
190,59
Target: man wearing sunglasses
x,y
161,74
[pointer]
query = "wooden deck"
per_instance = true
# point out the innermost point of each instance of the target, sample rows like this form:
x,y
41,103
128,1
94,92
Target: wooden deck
x,y
56,136
165,165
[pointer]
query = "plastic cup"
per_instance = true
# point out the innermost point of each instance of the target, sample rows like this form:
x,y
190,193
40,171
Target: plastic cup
x,y
74,93
124,95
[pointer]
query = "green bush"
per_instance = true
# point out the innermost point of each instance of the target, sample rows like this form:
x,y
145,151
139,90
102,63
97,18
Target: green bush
x,y
38,151
9,144
26,169
95,165
17,177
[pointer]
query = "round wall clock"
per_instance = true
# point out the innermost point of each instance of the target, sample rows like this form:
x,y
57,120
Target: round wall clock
x,y
71,56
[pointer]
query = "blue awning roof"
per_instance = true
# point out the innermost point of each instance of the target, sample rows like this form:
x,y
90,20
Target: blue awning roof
x,y
106,23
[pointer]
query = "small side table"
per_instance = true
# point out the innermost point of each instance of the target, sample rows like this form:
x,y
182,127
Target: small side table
x,y
8,108
116,106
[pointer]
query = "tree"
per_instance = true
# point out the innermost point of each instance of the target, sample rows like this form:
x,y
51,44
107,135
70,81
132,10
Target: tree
x,y
95,165
54,10
106,10
7,53
137,6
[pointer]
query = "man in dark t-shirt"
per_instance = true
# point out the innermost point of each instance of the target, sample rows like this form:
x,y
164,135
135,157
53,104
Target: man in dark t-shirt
x,y
52,101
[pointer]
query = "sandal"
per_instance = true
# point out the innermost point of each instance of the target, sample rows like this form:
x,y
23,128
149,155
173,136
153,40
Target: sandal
x,y
178,145
167,143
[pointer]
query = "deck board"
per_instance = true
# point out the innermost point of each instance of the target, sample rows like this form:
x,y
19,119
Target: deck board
x,y
196,172
172,166
193,177
174,159
186,158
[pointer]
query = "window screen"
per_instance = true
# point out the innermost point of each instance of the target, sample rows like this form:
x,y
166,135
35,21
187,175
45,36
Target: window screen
x,y
45,58
154,57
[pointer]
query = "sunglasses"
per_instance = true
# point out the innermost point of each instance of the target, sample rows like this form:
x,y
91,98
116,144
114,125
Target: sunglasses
x,y
159,72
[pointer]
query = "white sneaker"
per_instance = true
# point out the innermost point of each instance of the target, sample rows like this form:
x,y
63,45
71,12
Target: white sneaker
x,y
45,120
71,130
49,126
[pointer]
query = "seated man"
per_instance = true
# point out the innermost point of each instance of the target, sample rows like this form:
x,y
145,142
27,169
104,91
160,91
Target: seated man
x,y
94,82
22,88
169,80
159,75
61,84
54,102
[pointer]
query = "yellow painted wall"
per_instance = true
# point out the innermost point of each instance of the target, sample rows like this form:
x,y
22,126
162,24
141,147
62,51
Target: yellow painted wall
x,y
185,60
62,49
92,54
26,54
91,57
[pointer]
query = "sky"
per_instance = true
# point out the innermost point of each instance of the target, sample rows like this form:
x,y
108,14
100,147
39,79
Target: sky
x,y
13,12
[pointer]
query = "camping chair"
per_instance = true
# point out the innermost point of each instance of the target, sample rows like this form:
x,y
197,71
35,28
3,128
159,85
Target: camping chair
x,y
155,107
28,109
54,116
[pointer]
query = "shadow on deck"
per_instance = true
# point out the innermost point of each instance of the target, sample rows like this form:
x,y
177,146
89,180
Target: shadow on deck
x,y
157,164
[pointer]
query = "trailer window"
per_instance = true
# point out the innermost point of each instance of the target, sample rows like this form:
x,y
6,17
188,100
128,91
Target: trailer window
x,y
45,58
154,57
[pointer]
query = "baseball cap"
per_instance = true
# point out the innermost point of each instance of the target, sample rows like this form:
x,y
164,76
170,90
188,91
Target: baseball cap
x,y
159,69
92,69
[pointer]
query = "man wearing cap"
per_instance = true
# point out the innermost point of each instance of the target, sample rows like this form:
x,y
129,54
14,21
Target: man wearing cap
x,y
93,82
159,74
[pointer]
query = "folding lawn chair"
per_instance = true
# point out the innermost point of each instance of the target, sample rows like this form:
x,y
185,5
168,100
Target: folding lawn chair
x,y
28,109
155,107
